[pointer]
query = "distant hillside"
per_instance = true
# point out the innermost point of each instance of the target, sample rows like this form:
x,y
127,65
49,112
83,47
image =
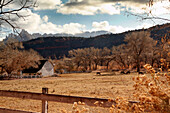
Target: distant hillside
x,y
59,46
25,36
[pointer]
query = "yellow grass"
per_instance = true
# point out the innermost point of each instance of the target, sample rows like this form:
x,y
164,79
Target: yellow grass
x,y
80,84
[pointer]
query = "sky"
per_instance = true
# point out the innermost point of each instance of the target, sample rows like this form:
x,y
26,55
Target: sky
x,y
78,16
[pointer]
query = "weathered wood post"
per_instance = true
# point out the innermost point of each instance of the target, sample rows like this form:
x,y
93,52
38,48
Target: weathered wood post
x,y
44,102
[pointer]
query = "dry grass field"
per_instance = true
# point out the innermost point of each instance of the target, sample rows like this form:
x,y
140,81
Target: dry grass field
x,y
79,84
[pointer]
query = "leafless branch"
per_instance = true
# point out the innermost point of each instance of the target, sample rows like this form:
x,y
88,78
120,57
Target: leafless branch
x,y
145,17
149,15
7,12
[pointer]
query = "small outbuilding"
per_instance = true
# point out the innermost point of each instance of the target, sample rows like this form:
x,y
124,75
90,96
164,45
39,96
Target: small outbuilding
x,y
45,68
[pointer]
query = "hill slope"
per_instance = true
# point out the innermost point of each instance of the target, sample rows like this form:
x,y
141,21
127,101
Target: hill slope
x,y
59,46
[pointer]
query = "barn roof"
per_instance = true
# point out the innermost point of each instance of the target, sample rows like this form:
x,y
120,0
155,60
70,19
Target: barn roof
x,y
35,70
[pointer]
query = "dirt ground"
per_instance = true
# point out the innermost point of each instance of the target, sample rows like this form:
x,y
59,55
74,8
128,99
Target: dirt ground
x,y
80,84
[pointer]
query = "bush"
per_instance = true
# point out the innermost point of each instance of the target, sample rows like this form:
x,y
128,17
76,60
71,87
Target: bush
x,y
151,90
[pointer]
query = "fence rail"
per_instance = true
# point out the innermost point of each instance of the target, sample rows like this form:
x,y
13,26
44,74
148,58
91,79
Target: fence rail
x,y
5,110
45,97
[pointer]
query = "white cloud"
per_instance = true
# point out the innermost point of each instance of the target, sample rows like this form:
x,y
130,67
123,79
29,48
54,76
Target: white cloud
x,y
158,8
161,7
144,26
47,4
104,25
86,10
111,7
35,24
2,35
45,18
71,28
30,22
133,7
40,4
88,7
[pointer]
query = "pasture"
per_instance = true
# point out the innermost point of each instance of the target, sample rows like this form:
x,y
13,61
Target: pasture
x,y
79,84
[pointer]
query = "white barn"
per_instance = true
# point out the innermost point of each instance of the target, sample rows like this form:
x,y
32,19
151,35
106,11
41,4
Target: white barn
x,y
45,68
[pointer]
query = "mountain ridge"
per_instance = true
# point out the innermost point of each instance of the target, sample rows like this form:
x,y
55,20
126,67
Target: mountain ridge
x,y
25,36
59,46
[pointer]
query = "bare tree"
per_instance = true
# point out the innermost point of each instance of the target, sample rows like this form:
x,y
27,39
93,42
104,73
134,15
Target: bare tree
x,y
138,43
153,56
14,58
106,57
96,53
10,11
77,56
89,54
59,65
121,56
83,57
148,15
164,46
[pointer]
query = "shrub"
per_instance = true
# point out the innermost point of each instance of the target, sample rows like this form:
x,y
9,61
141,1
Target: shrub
x,y
151,90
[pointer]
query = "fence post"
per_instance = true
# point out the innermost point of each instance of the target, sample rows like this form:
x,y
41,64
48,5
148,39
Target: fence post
x,y
44,102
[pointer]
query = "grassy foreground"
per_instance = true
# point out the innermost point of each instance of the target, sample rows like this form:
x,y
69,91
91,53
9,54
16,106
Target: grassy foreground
x,y
79,84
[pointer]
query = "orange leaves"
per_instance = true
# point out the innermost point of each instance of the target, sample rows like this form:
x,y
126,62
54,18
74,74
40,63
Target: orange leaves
x,y
76,109
155,87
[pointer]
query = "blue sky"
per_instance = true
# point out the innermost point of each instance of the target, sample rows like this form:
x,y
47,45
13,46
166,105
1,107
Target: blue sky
x,y
77,16
61,19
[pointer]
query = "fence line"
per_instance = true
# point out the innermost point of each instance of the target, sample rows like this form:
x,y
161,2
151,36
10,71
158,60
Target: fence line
x,y
45,97
5,110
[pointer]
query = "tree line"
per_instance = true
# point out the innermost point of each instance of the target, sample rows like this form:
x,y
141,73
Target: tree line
x,y
14,58
139,49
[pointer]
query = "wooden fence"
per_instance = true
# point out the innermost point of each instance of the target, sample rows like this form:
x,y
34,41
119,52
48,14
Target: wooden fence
x,y
45,97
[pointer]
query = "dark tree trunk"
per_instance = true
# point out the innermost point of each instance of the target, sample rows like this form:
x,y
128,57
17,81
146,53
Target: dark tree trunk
x,y
102,63
95,66
1,70
78,66
138,69
152,62
89,66
138,66
107,64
